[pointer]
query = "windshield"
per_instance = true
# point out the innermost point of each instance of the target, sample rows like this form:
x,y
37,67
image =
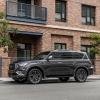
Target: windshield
x,y
41,56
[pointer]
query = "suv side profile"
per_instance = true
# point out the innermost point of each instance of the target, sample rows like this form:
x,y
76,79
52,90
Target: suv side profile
x,y
60,64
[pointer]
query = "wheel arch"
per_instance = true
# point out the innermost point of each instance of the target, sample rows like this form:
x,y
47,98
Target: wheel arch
x,y
83,68
36,68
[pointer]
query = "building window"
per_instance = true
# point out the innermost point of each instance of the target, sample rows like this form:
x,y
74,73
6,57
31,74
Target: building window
x,y
62,56
23,51
59,46
88,15
24,8
87,49
60,10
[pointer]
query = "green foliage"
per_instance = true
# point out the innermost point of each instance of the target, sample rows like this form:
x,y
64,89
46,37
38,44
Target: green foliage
x,y
1,15
5,40
95,37
4,26
95,41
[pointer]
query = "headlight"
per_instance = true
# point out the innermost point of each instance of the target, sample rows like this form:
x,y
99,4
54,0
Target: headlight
x,y
16,66
23,64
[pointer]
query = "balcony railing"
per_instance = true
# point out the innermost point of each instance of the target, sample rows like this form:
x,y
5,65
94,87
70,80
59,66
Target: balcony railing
x,y
26,12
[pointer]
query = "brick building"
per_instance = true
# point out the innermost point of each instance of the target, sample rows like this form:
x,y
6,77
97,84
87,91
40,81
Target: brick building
x,y
50,24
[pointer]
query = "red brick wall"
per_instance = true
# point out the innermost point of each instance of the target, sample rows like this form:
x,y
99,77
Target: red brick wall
x,y
73,13
2,5
50,35
62,39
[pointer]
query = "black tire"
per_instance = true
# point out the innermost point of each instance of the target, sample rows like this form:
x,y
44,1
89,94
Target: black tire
x,y
81,75
64,79
34,76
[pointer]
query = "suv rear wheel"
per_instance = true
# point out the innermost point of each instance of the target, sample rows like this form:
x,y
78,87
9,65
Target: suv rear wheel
x,y
34,76
64,79
81,75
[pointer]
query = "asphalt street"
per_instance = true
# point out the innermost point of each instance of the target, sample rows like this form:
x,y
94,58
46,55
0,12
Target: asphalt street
x,y
50,90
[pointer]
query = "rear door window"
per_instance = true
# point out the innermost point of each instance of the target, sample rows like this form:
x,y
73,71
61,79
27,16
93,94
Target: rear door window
x,y
77,55
62,55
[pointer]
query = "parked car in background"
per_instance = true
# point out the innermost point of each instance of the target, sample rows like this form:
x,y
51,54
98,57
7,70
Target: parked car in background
x,y
61,64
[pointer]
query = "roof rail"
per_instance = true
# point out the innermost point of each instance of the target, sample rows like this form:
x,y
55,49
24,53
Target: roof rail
x,y
61,50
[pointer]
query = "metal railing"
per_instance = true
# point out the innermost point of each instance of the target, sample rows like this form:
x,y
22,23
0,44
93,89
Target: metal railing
x,y
27,11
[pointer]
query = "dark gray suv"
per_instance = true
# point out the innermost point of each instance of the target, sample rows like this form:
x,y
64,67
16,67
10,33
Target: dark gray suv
x,y
60,64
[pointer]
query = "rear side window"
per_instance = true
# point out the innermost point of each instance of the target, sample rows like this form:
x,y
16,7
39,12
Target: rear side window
x,y
77,55
67,55
85,57
62,55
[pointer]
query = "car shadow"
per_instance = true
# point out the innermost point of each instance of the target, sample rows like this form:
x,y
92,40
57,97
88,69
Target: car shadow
x,y
47,81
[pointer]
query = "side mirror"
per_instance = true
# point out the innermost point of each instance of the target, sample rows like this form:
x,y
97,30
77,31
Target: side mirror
x,y
49,58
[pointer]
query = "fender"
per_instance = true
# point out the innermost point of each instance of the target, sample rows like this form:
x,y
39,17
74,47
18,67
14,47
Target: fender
x,y
38,67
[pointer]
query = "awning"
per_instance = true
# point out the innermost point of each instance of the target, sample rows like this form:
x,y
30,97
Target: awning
x,y
27,33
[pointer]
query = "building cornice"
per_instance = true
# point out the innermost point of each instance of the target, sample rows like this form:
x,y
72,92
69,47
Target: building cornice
x,y
56,27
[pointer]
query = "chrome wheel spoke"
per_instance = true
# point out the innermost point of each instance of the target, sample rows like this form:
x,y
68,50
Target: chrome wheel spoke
x,y
81,75
35,76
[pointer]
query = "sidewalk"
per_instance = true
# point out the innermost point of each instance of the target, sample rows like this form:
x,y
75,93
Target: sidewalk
x,y
6,79
92,77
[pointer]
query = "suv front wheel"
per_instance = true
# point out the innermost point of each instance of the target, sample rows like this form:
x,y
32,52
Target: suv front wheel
x,y
81,75
34,76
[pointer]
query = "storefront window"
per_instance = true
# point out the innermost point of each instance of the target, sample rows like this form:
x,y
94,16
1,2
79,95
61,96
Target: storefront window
x,y
60,46
23,51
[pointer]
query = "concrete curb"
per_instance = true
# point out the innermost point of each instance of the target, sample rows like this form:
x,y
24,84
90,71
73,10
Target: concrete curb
x,y
6,79
96,77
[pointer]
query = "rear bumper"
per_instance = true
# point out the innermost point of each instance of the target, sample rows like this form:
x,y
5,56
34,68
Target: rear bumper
x,y
91,71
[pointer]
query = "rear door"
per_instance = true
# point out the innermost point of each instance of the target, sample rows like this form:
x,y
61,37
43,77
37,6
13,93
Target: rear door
x,y
60,64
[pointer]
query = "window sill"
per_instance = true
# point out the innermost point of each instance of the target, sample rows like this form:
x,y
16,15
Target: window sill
x,y
58,20
88,24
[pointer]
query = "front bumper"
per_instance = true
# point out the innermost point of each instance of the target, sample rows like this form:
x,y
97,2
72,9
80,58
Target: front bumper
x,y
16,74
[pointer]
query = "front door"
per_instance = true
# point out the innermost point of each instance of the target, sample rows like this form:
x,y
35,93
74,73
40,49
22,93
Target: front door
x,y
23,52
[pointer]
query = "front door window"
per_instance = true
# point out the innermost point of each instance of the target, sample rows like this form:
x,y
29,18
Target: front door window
x,y
23,52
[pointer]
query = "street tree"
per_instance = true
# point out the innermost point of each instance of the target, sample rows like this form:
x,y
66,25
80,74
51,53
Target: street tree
x,y
95,41
5,39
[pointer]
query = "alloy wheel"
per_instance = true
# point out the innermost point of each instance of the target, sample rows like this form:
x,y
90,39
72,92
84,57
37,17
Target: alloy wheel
x,y
81,75
34,76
